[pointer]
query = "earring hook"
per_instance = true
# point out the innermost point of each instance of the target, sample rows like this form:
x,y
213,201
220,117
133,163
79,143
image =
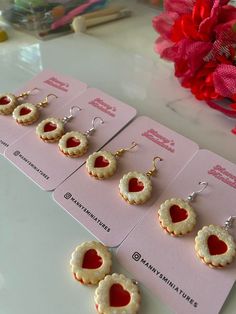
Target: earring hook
x,y
193,195
154,169
121,151
44,103
93,128
229,223
73,111
24,94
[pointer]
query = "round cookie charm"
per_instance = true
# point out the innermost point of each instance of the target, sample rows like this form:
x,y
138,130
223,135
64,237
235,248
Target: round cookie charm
x,y
101,165
8,103
215,246
177,217
26,114
50,130
90,262
73,144
117,294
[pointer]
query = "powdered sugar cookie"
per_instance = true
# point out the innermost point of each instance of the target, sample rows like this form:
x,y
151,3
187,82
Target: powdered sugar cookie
x,y
26,114
90,262
101,165
135,187
8,103
176,216
50,129
215,246
73,144
117,294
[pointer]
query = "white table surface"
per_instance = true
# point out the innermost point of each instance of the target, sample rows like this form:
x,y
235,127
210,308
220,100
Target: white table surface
x,y
36,235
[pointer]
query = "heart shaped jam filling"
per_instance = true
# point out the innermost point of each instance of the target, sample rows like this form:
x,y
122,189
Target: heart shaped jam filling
x,y
216,246
135,185
92,260
178,214
4,100
24,111
119,296
49,127
72,142
101,162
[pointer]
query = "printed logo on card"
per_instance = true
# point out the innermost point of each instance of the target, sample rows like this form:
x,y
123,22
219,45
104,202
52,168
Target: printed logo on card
x,y
160,140
223,175
100,104
54,82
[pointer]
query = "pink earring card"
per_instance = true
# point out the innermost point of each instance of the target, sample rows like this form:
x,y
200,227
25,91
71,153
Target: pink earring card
x,y
44,163
168,265
97,204
47,82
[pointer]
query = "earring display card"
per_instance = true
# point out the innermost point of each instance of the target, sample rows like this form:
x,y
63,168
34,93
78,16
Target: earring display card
x,y
47,82
45,164
169,265
97,203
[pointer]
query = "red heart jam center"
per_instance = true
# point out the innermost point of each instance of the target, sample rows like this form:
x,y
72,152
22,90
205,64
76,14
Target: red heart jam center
x,y
72,142
216,246
119,296
101,162
24,111
178,214
135,185
4,100
92,260
49,127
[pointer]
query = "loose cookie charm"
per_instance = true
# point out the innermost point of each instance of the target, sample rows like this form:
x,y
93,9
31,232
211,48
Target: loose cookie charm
x,y
8,102
176,216
117,294
75,144
28,113
51,129
90,262
103,164
215,246
136,187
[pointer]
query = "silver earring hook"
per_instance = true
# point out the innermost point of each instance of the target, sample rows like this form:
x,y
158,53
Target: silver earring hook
x,y
229,223
73,111
93,128
193,195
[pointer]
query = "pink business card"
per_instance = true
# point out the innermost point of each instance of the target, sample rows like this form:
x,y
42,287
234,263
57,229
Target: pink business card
x,y
47,82
44,163
168,265
97,203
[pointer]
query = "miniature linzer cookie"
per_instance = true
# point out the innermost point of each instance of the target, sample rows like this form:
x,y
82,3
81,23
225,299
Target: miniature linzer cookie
x,y
50,130
177,217
135,187
73,144
215,246
117,294
90,262
103,164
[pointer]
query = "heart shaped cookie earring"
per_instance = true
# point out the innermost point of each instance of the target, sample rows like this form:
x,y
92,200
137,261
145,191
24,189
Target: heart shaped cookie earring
x,y
28,113
90,262
8,102
51,130
75,144
176,216
136,187
103,164
117,294
215,246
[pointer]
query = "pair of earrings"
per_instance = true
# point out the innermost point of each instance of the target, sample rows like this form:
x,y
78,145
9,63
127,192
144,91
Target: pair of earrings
x,y
72,144
91,264
135,187
213,244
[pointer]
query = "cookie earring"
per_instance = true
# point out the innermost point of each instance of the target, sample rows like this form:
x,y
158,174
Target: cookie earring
x,y
75,144
51,129
8,102
103,164
215,246
28,113
136,187
176,216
